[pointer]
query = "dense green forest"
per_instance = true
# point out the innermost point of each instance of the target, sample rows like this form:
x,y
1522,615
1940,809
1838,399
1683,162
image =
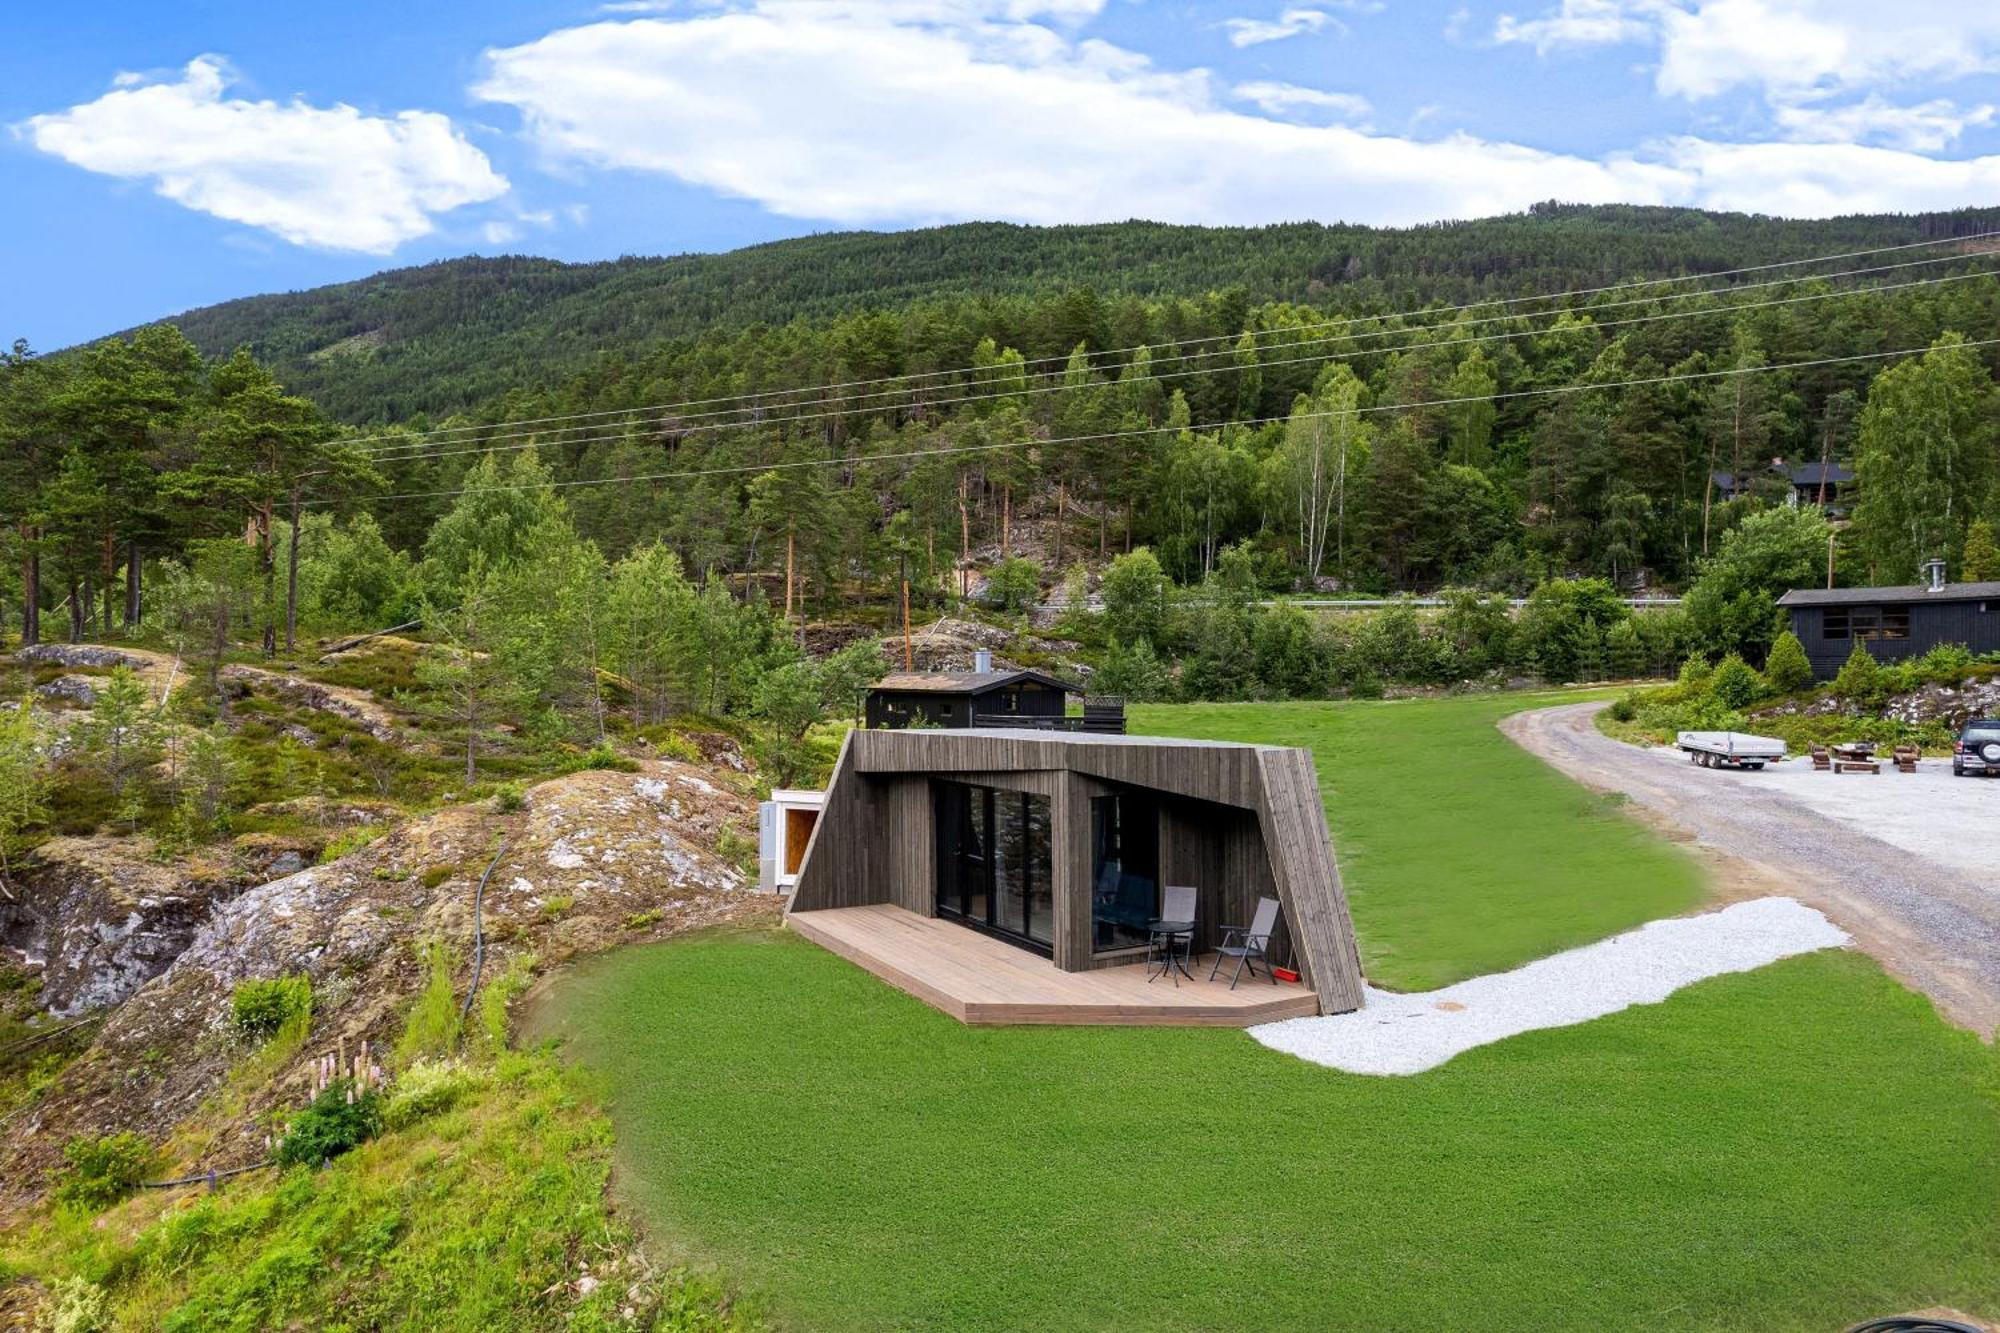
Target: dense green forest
x,y
1014,436
455,335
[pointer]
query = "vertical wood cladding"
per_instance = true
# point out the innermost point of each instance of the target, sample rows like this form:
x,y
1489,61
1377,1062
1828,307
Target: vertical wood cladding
x,y
1238,822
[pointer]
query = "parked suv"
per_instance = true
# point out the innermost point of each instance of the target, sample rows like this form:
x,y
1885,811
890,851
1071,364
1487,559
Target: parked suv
x,y
1978,748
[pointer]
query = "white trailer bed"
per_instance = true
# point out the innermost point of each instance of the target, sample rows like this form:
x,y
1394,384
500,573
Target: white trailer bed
x,y
1730,749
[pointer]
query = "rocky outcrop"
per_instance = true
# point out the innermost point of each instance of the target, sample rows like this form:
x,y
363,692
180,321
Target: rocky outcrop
x,y
83,655
97,918
78,690
357,706
592,860
1955,704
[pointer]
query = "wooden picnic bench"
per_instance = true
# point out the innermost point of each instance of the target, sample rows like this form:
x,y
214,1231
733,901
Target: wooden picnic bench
x,y
1821,759
1856,766
1906,757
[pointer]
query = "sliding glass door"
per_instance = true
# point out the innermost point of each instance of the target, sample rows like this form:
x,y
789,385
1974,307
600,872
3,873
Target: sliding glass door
x,y
994,862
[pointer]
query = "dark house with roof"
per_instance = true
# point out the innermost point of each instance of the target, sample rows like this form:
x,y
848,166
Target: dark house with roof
x,y
1892,623
1827,485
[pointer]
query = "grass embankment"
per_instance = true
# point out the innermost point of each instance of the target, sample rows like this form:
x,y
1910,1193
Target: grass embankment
x,y
1789,1148
1462,854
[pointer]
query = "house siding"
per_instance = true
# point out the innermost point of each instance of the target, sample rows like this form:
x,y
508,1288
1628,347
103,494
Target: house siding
x,y
1972,622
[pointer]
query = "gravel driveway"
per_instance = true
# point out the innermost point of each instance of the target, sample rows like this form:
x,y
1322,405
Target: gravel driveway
x,y
1908,889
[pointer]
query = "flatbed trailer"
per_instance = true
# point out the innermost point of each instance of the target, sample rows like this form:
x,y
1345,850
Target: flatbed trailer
x,y
1730,749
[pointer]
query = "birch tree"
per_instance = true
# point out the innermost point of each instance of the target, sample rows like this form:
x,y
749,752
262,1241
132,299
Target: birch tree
x,y
1326,442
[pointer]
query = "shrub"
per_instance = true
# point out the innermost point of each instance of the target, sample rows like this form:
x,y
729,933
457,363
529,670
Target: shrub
x,y
1693,679
1860,679
103,1171
599,756
509,798
426,1089
338,1119
1014,585
1624,710
1947,664
1788,670
351,841
76,1305
1735,684
436,875
261,1009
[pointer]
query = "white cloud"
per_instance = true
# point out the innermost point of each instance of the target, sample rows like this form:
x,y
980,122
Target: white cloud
x,y
1577,23
499,233
1284,99
851,114
324,176
1926,127
1291,23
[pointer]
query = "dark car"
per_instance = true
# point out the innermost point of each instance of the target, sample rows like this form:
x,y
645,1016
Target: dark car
x,y
1977,749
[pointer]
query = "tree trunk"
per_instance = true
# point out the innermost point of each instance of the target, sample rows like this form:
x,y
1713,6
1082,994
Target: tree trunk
x,y
791,551
292,581
964,537
134,607
268,560
31,589
1061,502
110,579
1006,522
75,613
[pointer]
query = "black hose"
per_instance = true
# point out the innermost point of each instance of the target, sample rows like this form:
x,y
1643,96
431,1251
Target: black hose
x,y
1913,1323
478,937
207,1177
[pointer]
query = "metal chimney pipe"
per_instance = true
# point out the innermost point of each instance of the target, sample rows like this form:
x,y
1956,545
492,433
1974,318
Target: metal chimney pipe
x,y
1934,575
982,660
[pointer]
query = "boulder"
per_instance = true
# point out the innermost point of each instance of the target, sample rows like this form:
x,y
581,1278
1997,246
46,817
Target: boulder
x,y
78,690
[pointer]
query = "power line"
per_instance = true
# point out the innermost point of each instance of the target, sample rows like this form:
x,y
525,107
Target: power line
x,y
909,379
903,455
637,431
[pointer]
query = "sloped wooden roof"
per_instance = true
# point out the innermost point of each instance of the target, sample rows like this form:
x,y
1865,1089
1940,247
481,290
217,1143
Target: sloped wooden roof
x,y
965,682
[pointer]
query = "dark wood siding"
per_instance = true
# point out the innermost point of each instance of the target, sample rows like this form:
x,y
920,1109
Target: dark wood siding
x,y
1238,822
1974,623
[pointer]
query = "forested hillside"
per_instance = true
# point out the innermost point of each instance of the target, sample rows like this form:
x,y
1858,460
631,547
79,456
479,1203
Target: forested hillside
x,y
450,336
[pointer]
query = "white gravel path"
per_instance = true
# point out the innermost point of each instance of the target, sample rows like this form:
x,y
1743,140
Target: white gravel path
x,y
1407,1034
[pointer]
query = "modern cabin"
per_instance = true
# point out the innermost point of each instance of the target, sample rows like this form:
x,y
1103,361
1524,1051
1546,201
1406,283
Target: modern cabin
x,y
1892,623
1011,876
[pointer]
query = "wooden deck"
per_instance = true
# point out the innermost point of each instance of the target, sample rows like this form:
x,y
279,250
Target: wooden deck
x,y
978,979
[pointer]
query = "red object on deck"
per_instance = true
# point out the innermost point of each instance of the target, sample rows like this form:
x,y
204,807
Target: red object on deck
x,y
1284,974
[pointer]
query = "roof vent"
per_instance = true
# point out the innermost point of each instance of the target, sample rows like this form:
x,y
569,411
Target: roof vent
x,y
1934,575
982,661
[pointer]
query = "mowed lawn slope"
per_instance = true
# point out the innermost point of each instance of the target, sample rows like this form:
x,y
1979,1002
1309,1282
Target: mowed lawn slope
x,y
1790,1148
1462,853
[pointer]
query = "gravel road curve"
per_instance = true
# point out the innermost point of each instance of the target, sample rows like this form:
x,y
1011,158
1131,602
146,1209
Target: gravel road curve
x,y
1930,924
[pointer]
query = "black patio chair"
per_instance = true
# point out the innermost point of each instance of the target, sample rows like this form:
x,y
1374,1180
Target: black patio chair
x,y
1248,944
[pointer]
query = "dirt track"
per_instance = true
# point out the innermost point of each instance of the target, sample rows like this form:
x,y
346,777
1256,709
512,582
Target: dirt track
x,y
1929,924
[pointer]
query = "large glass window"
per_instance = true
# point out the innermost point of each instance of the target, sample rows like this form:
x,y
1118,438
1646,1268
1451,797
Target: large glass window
x,y
994,861
1124,870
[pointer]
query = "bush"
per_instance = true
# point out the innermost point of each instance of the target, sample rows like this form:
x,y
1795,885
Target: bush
x,y
77,1305
103,1171
1788,670
1860,679
599,756
509,797
339,1118
351,841
261,1009
426,1089
1014,585
1735,684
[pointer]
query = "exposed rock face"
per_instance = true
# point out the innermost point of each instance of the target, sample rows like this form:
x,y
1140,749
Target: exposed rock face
x,y
357,706
83,655
79,690
594,859
1956,704
100,918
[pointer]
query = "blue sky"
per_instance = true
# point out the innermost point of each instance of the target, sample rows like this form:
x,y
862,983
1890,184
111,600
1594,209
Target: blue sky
x,y
159,157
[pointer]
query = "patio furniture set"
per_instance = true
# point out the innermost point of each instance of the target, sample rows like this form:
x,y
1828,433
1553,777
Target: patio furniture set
x,y
1170,939
1859,757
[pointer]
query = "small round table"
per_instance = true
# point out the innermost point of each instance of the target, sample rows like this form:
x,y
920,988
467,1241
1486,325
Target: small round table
x,y
1174,941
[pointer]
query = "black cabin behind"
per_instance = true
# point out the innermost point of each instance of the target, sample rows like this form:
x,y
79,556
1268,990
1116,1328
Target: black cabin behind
x,y
956,698
1892,623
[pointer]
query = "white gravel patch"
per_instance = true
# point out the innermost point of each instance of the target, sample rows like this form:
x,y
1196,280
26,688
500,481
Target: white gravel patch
x,y
1406,1034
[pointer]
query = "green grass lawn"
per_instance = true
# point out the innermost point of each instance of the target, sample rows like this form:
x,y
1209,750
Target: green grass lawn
x,y
1462,854
1790,1148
